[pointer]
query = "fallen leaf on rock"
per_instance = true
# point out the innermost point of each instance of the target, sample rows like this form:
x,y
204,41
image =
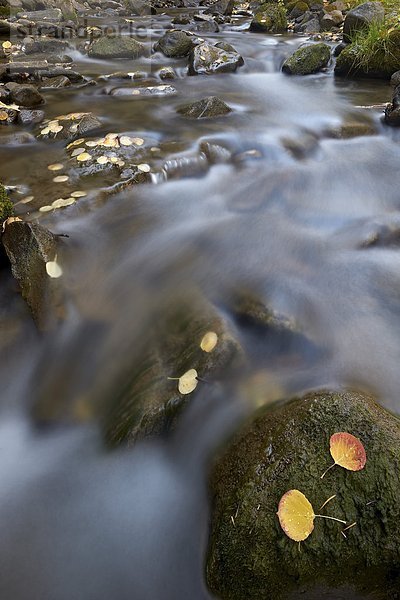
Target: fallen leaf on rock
x,y
209,341
84,157
188,382
9,221
296,515
347,451
53,269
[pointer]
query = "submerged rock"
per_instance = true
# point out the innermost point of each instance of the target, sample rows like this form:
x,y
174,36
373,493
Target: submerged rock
x,y
29,247
285,448
307,60
116,47
175,44
151,403
361,17
206,59
205,108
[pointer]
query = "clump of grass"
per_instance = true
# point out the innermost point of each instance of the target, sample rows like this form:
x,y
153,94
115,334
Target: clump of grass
x,y
6,206
377,44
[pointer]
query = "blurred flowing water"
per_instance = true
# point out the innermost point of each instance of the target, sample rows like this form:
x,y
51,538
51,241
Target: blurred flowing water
x,y
305,221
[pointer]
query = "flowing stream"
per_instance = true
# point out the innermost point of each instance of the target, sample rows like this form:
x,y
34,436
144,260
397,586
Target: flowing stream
x,y
298,214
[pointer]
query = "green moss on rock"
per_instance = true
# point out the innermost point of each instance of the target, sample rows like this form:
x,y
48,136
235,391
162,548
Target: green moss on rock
x,y
6,206
376,61
270,17
307,60
288,448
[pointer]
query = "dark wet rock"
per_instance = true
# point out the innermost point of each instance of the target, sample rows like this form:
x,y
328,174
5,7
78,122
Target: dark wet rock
x,y
207,59
52,15
29,247
116,47
362,17
25,95
68,127
395,79
181,20
215,153
205,24
339,49
392,111
49,83
175,44
205,108
46,46
6,206
287,447
312,26
30,117
270,17
167,73
307,60
154,91
15,71
151,404
221,7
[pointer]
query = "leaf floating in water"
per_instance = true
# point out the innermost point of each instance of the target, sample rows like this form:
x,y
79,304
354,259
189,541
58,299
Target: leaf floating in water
x,y
7,45
209,341
102,160
61,179
144,168
138,141
78,194
53,269
347,451
296,515
46,208
188,382
75,143
125,140
56,167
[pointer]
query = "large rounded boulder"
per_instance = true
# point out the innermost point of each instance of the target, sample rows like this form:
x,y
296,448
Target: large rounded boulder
x,y
287,448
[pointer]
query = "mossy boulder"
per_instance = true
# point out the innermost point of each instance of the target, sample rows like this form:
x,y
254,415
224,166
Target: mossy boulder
x,y
206,59
270,17
108,47
382,63
307,60
205,108
175,44
288,448
6,206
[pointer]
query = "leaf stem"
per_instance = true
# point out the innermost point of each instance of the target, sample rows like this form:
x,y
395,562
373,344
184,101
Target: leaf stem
x,y
331,518
328,469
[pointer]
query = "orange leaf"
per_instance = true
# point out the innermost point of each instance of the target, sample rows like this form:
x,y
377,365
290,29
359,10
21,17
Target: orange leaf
x,y
347,451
